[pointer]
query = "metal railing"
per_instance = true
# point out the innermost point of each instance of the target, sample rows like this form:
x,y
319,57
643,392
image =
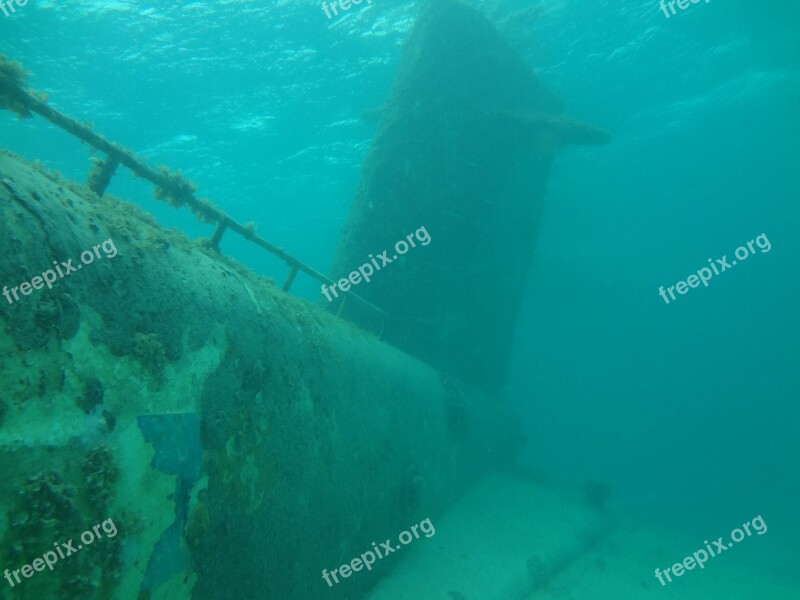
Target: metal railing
x,y
171,187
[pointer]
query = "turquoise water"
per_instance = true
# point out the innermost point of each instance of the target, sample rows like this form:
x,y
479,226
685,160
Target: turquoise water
x,y
688,410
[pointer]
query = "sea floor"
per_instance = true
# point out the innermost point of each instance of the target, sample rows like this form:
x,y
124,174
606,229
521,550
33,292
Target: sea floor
x,y
512,539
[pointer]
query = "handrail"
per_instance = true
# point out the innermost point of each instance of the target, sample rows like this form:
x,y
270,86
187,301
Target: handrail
x,y
171,187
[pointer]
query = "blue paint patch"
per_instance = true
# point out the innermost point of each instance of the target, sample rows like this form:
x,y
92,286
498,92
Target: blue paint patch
x,y
176,441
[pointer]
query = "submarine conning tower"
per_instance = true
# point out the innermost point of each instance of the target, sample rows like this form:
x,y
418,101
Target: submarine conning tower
x,y
463,149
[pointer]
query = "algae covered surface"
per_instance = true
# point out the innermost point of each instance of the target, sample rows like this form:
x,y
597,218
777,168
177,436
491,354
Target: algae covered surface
x,y
133,392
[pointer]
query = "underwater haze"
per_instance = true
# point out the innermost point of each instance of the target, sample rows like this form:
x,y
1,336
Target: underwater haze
x,y
587,368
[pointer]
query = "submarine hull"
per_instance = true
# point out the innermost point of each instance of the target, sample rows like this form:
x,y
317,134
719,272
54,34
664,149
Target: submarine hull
x,y
241,440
